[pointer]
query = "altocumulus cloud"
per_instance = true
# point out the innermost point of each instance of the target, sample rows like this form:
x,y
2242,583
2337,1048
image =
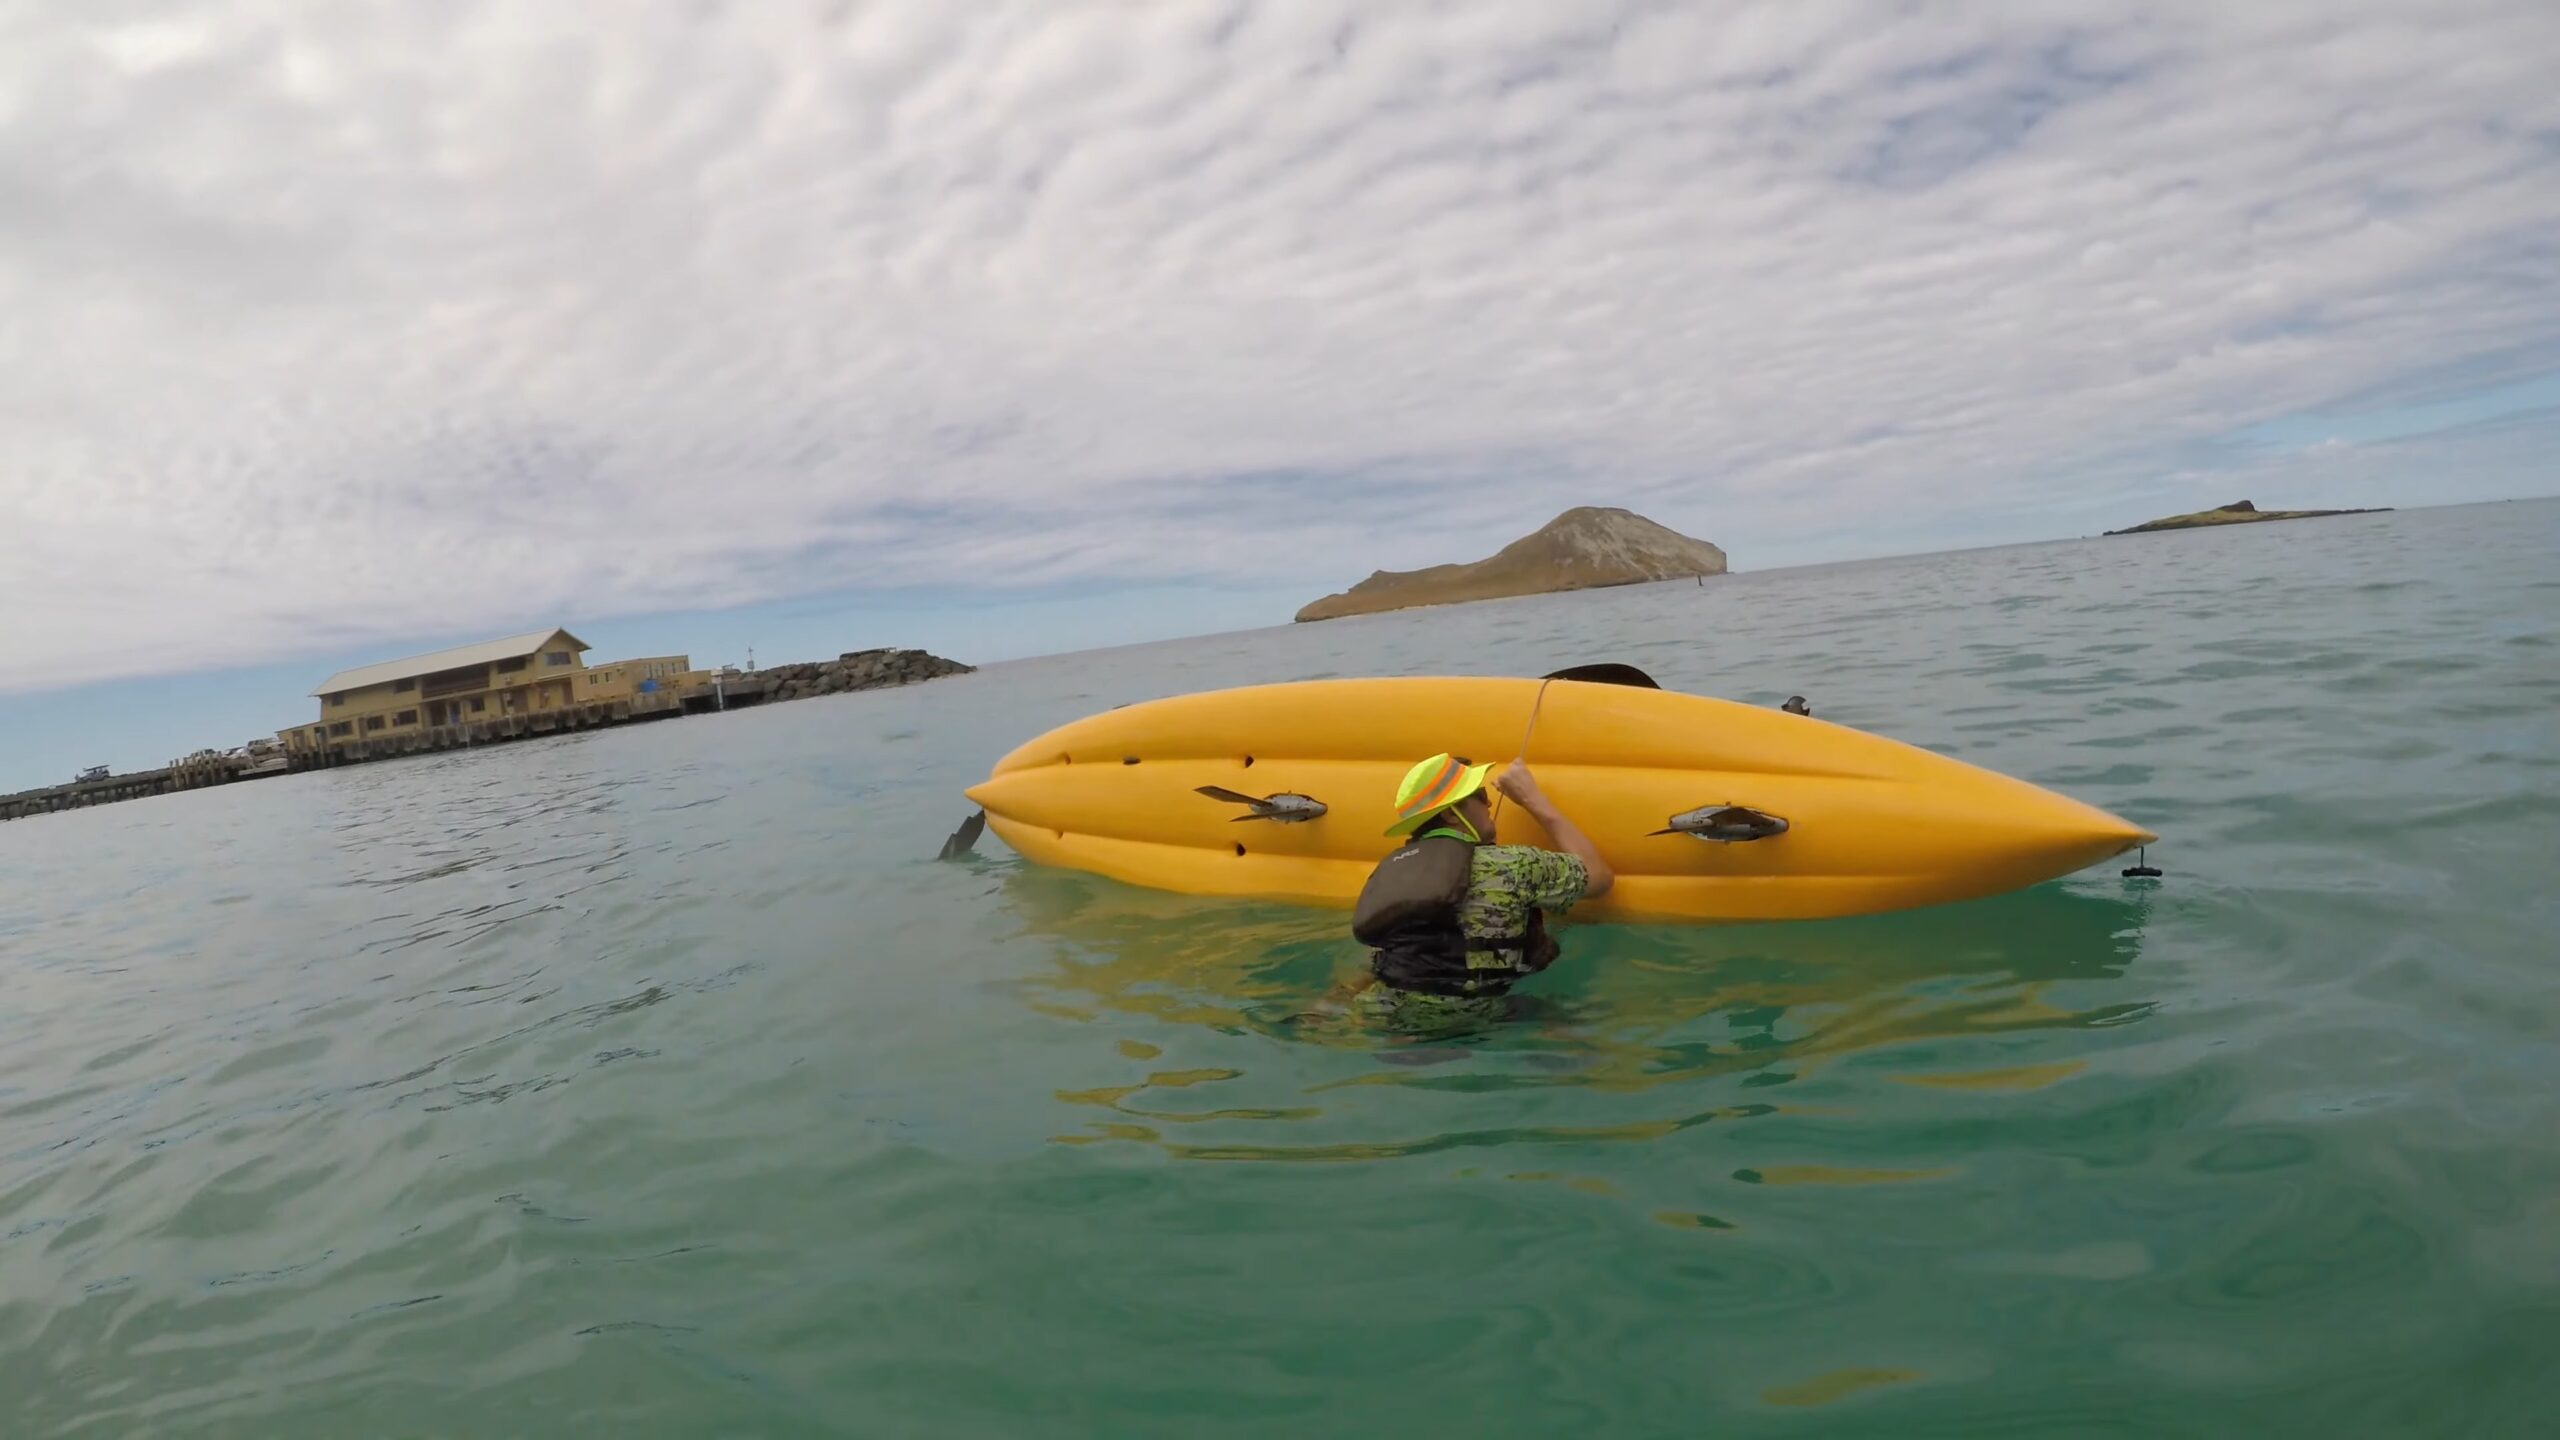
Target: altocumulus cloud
x,y
336,322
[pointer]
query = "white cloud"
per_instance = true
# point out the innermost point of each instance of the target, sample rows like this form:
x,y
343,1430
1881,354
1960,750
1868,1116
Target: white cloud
x,y
331,324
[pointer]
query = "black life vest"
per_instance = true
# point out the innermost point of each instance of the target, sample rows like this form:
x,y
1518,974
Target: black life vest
x,y
1407,915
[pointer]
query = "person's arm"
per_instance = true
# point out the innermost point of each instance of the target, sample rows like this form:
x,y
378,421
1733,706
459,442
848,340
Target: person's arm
x,y
1521,787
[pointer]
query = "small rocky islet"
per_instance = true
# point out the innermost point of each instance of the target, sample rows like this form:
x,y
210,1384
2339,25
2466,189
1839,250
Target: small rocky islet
x,y
2238,512
1586,548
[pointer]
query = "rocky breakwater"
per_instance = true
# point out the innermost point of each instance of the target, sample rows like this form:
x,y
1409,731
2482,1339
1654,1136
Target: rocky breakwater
x,y
856,670
1585,548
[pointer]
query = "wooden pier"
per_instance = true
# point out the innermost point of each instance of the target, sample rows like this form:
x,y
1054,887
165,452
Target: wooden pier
x,y
428,738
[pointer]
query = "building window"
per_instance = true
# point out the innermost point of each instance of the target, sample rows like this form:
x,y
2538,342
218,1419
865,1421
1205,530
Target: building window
x,y
400,685
373,722
343,727
478,704
405,717
509,667
556,658
338,699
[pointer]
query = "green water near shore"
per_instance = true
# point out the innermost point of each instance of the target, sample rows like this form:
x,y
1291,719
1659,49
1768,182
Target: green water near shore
x,y
656,1081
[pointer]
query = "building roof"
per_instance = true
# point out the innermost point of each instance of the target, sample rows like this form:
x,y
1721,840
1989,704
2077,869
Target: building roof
x,y
456,658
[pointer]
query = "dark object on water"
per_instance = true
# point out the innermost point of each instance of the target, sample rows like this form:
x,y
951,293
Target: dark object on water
x,y
1725,824
1285,807
965,837
1795,706
1606,672
2141,868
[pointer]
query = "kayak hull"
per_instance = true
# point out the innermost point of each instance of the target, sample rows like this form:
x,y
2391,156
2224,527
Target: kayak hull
x,y
1873,824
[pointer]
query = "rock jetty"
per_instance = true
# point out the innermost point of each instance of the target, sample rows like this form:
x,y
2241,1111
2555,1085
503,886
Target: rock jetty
x,y
1585,548
856,670
2238,512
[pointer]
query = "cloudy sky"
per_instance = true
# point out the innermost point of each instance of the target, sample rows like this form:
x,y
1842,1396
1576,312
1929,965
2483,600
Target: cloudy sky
x,y
336,330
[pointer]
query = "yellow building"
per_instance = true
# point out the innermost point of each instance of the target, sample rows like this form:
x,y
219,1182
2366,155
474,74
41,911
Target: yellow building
x,y
536,673
624,679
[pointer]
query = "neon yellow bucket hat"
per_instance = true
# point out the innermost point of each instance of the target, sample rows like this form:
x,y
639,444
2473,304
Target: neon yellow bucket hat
x,y
1434,786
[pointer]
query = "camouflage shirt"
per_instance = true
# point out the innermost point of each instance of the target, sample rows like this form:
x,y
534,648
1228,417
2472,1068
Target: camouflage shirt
x,y
1505,883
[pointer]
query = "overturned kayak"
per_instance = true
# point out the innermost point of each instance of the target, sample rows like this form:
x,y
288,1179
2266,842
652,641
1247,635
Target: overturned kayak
x,y
1707,809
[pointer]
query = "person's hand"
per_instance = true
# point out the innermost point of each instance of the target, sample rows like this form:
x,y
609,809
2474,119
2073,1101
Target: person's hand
x,y
1518,785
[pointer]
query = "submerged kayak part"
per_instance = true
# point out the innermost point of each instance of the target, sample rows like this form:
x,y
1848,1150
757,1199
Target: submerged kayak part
x,y
1866,816
1606,672
1286,808
1725,824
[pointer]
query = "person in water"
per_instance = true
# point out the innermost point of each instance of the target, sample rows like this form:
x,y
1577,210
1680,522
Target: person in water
x,y
1451,929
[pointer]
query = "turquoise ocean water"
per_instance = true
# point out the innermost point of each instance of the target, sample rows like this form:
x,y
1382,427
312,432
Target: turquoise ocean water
x,y
656,1082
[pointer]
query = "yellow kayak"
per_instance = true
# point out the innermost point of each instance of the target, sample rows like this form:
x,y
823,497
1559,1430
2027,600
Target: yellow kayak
x,y
1870,824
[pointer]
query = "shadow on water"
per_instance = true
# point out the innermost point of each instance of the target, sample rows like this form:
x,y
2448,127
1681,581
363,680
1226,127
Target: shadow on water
x,y
1727,1013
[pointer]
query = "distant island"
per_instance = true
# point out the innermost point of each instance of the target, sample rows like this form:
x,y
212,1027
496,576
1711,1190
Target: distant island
x,y
2238,512
1585,548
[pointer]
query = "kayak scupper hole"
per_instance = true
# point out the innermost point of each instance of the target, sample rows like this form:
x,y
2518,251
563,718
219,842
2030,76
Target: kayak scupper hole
x,y
1239,849
1248,762
1128,759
